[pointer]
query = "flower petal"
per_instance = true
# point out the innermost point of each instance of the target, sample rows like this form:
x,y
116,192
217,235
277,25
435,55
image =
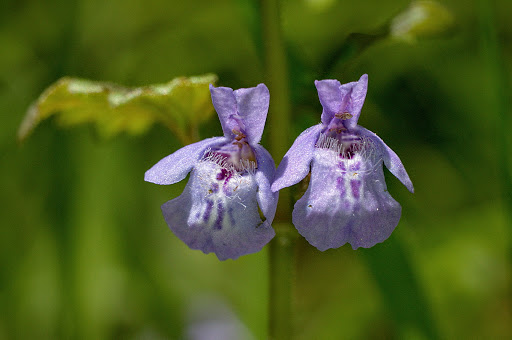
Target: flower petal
x,y
295,164
224,102
345,207
336,97
264,176
220,219
252,104
357,92
176,166
330,97
391,159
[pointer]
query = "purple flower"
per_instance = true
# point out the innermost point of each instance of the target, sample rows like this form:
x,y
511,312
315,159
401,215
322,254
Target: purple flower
x,y
347,199
219,210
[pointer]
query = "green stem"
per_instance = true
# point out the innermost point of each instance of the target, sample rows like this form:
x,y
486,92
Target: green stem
x,y
500,104
276,78
281,255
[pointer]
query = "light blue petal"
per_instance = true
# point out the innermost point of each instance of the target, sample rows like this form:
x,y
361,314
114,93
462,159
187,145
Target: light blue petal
x,y
264,176
295,164
330,97
336,97
252,104
224,102
219,216
244,109
357,91
345,203
391,159
176,166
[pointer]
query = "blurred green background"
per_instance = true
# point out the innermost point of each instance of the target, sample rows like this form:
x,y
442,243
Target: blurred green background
x,y
85,252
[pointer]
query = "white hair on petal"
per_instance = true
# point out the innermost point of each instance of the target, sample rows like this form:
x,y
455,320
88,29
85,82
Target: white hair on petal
x,y
347,145
244,165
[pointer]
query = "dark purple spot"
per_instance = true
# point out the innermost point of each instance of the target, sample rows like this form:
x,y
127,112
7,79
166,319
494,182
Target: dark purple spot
x,y
350,151
355,167
220,216
208,210
341,165
222,174
225,187
231,217
355,185
340,185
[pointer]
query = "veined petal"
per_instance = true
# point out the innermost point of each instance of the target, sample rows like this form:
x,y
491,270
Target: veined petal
x,y
338,98
224,102
330,97
391,159
264,176
252,104
218,214
357,96
176,166
295,164
345,204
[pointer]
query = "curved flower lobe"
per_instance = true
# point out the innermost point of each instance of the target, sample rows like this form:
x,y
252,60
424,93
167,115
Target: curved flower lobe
x,y
230,181
347,199
222,212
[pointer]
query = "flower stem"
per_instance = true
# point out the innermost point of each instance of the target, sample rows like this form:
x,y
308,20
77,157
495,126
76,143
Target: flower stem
x,y
276,78
281,255
500,102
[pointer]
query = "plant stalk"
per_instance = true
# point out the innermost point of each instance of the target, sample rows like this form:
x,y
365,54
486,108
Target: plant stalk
x,y
281,254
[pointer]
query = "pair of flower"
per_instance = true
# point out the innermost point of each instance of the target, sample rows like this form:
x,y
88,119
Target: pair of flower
x,y
230,200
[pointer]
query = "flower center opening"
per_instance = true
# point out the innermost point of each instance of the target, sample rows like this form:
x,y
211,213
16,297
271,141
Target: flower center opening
x,y
234,158
347,146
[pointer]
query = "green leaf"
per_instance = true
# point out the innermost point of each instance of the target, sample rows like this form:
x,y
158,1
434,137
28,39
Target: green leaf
x,y
181,105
